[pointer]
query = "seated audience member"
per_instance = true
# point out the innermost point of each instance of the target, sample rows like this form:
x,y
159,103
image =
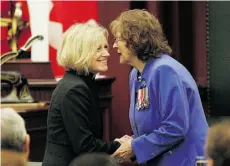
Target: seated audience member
x,y
93,159
218,144
13,158
14,139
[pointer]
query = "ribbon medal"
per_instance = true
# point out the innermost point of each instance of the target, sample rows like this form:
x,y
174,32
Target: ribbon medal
x,y
142,99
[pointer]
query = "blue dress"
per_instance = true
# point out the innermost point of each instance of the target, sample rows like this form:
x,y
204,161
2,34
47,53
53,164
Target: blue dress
x,y
171,130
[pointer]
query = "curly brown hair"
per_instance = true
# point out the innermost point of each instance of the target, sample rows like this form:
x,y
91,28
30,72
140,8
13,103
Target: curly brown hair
x,y
142,32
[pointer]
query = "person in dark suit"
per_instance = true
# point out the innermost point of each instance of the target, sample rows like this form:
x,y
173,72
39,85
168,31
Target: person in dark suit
x,y
74,124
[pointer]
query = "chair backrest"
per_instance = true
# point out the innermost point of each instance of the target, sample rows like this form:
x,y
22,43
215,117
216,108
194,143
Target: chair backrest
x,y
218,49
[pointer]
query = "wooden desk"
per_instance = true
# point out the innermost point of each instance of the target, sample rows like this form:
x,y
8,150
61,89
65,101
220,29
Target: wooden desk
x,y
35,114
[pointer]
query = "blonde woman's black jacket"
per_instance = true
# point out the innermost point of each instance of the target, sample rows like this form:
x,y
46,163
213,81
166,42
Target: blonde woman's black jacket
x,y
74,123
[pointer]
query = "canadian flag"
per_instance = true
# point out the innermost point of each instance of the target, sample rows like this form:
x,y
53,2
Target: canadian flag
x,y
62,15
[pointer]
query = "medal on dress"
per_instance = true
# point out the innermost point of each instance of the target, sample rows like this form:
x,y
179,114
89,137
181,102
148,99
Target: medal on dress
x,y
146,98
142,98
142,94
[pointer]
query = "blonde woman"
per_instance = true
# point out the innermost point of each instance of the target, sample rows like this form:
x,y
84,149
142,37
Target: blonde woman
x,y
74,118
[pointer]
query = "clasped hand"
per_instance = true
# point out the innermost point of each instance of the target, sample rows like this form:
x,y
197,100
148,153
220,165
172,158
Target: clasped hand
x,y
125,150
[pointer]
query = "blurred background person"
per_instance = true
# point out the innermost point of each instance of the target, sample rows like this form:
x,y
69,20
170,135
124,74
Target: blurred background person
x,y
94,159
166,113
13,158
74,117
218,144
15,142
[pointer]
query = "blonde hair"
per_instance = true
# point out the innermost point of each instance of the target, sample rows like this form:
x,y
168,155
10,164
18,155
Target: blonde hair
x,y
80,42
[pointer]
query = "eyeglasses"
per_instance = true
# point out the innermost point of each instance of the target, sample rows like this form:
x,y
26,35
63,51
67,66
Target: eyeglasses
x,y
117,39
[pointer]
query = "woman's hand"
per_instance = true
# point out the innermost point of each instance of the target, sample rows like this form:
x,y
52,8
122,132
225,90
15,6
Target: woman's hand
x,y
125,151
123,139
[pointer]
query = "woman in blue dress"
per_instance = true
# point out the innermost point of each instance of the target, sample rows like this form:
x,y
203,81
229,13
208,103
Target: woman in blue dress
x,y
166,113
